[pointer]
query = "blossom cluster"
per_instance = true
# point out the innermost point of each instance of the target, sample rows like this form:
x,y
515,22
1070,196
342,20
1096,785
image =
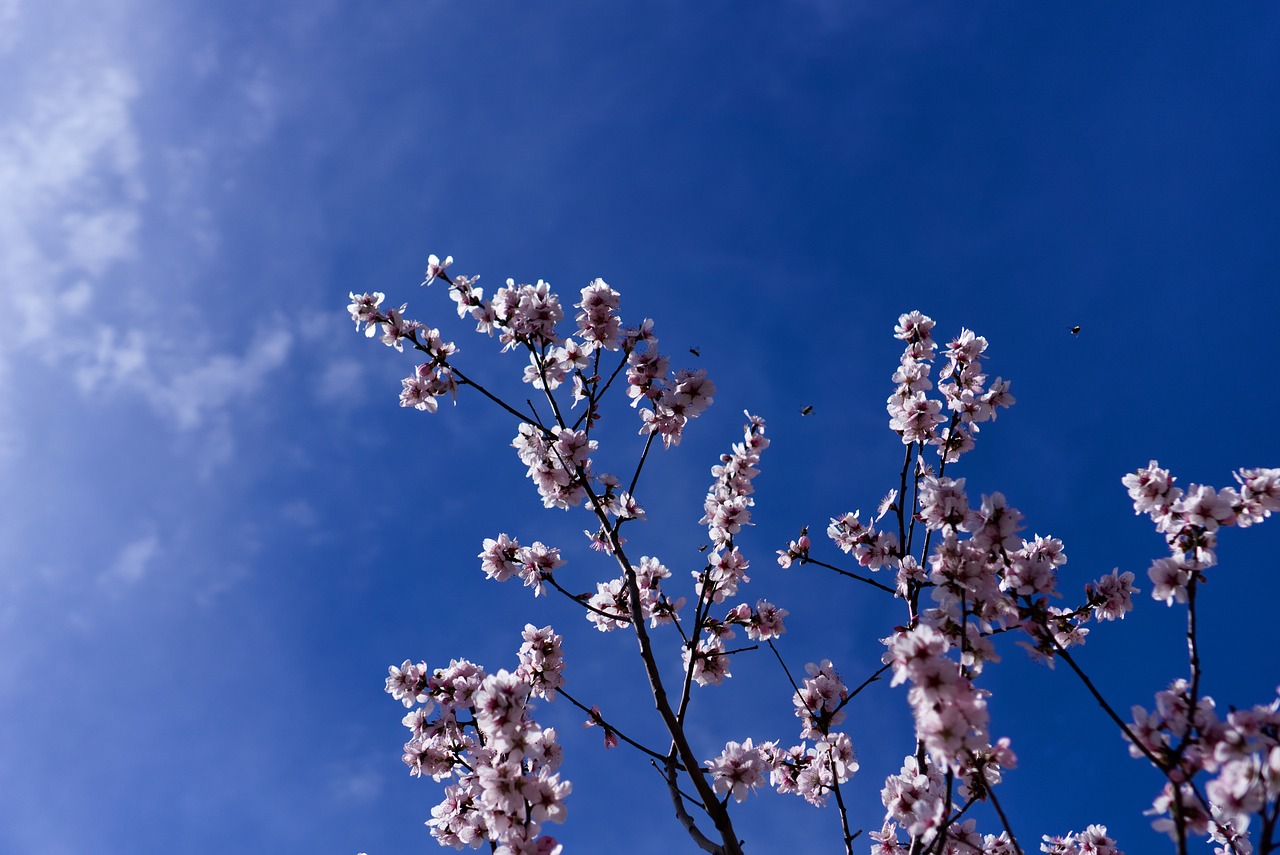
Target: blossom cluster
x,y
727,509
1242,751
430,380
960,565
484,739
914,416
558,463
503,558
728,503
810,771
1183,734
1092,841
1190,520
610,606
983,578
961,839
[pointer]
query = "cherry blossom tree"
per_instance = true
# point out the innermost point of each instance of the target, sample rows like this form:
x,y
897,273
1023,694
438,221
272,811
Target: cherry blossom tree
x,y
965,581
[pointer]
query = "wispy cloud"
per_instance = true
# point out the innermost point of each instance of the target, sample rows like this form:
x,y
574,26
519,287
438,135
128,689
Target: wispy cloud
x,y
87,225
69,176
8,25
187,394
133,562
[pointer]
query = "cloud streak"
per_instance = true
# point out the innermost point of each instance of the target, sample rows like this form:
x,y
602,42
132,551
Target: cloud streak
x,y
134,561
86,231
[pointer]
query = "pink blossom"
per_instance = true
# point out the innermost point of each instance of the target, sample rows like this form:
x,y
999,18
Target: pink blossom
x,y
396,328
725,570
1092,841
458,821
610,606
729,500
953,442
1112,595
453,687
915,800
1152,490
528,313
739,769
610,737
1206,507
709,665
663,421
1170,577
914,417
966,347
598,321
766,622
364,310
408,683
429,757
998,396
498,559
645,369
436,267
913,375
689,393
1259,494
819,703
541,661
886,840
545,794
997,524
915,329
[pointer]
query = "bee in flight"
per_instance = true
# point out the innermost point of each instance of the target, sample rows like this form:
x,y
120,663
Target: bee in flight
x,y
807,410
1075,330
695,351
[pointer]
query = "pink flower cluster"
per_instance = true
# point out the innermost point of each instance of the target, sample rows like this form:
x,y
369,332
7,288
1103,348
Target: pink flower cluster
x,y
1092,841
916,417
610,606
983,579
762,623
961,839
870,548
598,321
1190,520
950,711
811,772
484,738
962,568
727,510
1243,751
431,380
559,464
915,801
672,399
728,503
527,316
504,558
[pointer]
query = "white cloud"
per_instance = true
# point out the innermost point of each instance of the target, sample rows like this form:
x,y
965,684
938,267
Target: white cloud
x,y
300,513
92,209
354,783
133,561
188,394
69,178
8,25
342,382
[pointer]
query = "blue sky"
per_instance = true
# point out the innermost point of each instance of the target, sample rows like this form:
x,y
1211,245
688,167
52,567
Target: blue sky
x,y
220,528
